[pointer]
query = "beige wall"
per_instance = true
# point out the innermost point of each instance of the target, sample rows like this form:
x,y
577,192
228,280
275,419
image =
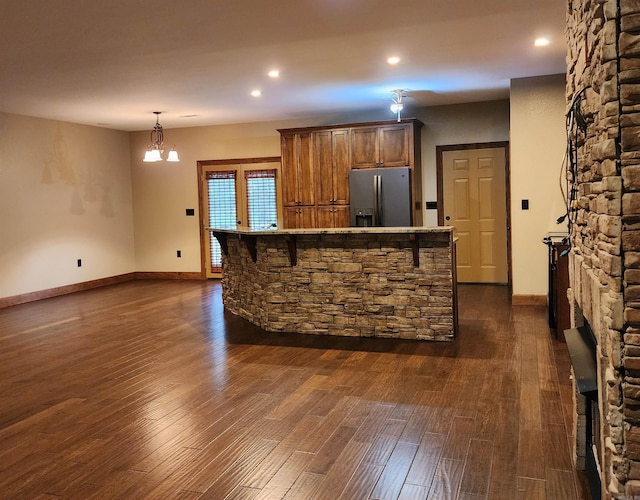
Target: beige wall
x,y
537,150
65,194
163,191
459,124
71,191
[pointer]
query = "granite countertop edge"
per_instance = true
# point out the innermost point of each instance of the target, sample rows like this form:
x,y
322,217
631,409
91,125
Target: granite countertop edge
x,y
338,230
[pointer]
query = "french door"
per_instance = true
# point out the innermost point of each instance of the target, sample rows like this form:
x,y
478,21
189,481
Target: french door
x,y
236,196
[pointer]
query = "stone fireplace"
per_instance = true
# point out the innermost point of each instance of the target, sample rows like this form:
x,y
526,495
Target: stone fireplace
x,y
603,120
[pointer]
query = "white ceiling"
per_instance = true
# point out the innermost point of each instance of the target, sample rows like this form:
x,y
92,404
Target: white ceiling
x,y
112,63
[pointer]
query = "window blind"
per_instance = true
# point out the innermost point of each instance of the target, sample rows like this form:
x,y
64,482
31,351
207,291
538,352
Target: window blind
x,y
221,187
261,199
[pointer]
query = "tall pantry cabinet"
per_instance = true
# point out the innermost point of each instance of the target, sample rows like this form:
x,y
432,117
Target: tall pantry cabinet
x,y
316,162
331,165
298,190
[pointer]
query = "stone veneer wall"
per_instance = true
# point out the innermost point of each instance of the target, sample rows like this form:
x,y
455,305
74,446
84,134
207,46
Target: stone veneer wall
x,y
604,56
350,285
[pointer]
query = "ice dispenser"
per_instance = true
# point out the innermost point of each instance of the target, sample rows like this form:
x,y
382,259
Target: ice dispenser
x,y
364,217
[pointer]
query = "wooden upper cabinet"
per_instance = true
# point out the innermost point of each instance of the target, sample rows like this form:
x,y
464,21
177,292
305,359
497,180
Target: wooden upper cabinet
x,y
316,162
331,165
297,169
395,145
382,146
364,147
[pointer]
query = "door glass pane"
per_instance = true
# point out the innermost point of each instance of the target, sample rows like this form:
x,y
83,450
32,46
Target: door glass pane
x,y
221,186
262,210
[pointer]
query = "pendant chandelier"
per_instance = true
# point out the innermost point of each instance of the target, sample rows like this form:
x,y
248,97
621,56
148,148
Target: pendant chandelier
x,y
156,148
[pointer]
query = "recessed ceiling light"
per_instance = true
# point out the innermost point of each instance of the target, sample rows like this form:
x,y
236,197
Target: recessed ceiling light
x,y
274,73
256,93
393,60
542,42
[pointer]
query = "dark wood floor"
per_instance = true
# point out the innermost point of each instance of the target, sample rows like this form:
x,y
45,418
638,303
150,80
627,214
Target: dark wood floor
x,y
149,390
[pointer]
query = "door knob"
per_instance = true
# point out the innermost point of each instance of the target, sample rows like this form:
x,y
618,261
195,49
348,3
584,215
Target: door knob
x,y
448,218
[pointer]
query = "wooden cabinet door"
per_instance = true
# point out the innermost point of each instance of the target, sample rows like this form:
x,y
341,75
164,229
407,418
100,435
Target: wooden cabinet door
x,y
288,144
297,169
395,145
305,170
333,216
306,217
331,163
325,216
364,147
301,217
324,167
341,166
290,217
341,216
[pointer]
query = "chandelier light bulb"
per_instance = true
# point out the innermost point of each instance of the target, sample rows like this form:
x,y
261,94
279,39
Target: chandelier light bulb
x,y
152,155
173,155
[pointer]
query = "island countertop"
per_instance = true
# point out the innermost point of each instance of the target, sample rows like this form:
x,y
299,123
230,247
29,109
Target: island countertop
x,y
340,230
396,282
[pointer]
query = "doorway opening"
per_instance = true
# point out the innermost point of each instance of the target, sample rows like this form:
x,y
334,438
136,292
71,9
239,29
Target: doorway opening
x,y
473,197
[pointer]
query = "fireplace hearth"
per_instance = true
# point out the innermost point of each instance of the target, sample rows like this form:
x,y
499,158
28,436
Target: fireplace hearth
x,y
582,346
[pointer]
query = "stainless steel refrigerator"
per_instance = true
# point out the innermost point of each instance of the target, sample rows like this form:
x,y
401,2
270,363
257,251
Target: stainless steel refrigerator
x,y
380,196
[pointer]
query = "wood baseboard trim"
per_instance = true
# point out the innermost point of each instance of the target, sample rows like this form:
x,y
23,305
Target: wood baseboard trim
x,y
64,290
169,276
529,300
88,285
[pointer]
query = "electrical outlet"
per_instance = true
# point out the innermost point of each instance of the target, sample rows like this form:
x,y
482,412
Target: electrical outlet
x,y
179,253
79,262
525,204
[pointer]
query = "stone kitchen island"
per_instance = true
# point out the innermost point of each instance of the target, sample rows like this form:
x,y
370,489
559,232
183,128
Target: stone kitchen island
x,y
366,282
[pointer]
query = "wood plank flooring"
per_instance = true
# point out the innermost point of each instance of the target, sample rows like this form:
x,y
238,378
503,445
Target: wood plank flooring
x,y
148,389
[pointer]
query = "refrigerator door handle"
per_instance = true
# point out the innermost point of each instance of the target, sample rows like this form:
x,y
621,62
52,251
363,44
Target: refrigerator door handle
x,y
377,200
